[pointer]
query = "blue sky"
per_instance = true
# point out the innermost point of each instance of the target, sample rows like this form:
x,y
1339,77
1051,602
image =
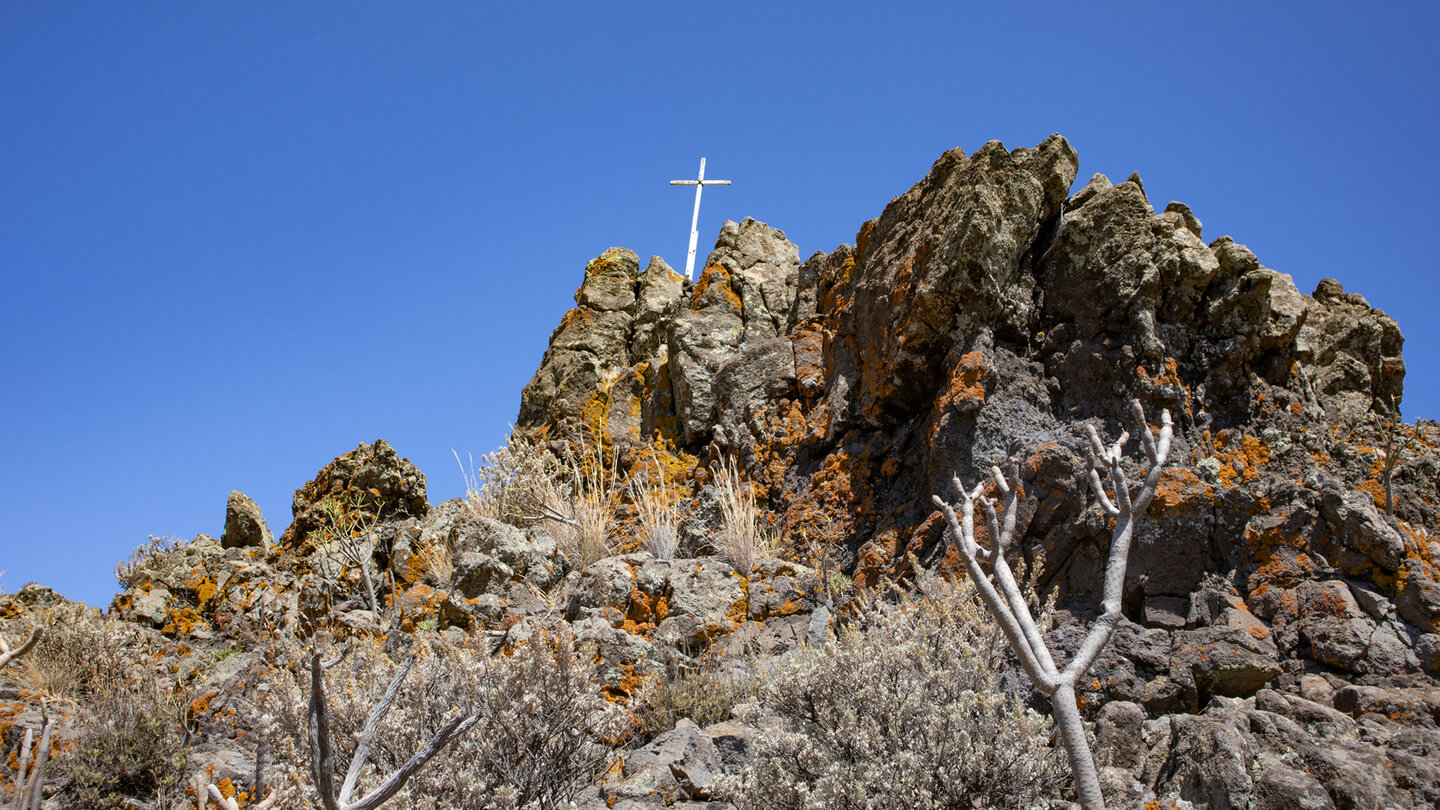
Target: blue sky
x,y
238,239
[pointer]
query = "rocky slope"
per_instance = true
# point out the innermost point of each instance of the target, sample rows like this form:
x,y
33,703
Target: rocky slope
x,y
1280,646
985,317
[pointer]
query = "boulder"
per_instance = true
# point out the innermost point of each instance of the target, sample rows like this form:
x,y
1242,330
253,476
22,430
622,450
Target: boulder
x,y
244,525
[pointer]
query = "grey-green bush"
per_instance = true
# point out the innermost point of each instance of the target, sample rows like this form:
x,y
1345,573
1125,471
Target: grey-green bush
x,y
904,710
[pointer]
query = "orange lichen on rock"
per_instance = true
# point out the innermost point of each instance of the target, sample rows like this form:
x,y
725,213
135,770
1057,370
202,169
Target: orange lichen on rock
x,y
840,498
967,381
643,612
1240,457
1168,381
1181,492
181,621
715,284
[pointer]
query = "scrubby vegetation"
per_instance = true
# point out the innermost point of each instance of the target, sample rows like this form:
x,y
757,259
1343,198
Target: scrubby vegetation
x,y
906,710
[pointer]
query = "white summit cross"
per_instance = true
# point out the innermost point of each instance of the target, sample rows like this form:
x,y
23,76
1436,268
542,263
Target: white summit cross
x,y
699,183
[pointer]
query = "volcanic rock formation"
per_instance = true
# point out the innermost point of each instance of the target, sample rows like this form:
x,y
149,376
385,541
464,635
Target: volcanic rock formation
x,y
986,317
1281,640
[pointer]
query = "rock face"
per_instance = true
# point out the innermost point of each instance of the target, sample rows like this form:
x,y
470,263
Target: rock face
x,y
986,317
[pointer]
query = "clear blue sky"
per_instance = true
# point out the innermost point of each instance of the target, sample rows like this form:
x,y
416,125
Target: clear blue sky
x,y
238,239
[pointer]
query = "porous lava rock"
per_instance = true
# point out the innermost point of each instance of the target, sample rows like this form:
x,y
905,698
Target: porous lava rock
x,y
372,477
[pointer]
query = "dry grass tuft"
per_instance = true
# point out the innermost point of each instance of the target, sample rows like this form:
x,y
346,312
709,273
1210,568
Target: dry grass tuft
x,y
658,508
574,499
740,541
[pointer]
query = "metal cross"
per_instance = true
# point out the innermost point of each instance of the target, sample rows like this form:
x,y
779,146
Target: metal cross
x,y
699,183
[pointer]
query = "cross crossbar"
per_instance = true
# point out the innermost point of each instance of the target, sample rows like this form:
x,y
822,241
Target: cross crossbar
x,y
699,183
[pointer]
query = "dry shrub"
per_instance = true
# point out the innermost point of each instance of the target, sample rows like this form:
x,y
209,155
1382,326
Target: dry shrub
x,y
122,732
524,484
82,654
510,480
906,713
702,697
344,540
541,738
129,743
150,554
657,506
740,540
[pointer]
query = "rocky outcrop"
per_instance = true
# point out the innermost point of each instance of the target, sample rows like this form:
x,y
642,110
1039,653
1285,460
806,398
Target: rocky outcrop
x,y
985,317
244,525
371,478
1280,645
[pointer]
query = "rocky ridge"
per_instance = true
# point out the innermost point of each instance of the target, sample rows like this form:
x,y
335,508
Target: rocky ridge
x,y
1282,635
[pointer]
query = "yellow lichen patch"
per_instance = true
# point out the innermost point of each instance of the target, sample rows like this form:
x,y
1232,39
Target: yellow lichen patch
x,y
862,239
200,705
203,586
593,418
963,392
837,291
967,380
1281,559
609,264
180,621
644,612
572,317
625,687
741,607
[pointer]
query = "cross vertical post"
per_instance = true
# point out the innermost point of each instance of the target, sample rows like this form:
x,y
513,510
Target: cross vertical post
x,y
699,183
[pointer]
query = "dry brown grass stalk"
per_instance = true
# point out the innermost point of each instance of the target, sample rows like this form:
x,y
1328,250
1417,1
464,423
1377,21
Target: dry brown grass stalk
x,y
740,541
658,508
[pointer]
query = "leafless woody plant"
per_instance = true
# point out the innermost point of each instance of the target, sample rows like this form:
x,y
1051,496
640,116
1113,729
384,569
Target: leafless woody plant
x,y
322,756
1008,605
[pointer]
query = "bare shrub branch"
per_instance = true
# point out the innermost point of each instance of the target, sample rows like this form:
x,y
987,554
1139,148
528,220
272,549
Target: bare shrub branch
x,y
7,655
1010,610
323,755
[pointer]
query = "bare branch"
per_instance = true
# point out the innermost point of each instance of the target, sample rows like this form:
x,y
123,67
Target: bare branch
x,y
1012,612
6,656
963,536
322,757
451,730
20,774
322,754
37,770
329,665
372,727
